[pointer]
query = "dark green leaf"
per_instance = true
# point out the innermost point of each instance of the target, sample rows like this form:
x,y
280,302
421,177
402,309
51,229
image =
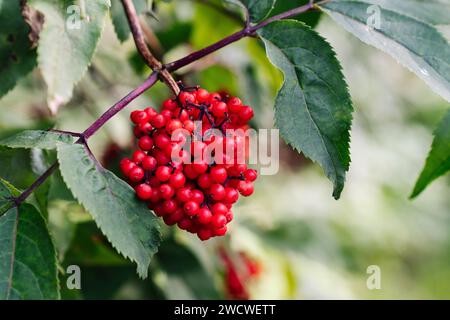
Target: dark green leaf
x,y
415,44
119,18
128,224
27,255
37,139
438,161
67,43
16,55
257,9
313,109
311,18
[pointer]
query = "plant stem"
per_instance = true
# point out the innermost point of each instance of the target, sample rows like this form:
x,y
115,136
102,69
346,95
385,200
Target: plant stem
x,y
40,180
245,32
153,78
111,112
144,51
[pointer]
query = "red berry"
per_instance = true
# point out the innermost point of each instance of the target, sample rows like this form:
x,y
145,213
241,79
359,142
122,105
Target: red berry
x,y
143,191
145,143
136,174
219,220
184,194
138,156
162,140
202,95
200,167
220,231
204,181
218,174
217,192
174,125
158,121
138,116
246,113
250,175
186,97
148,163
231,195
198,196
185,223
126,165
245,188
191,208
166,191
204,234
229,215
177,180
169,206
151,112
163,173
219,109
170,104
219,209
204,215
234,104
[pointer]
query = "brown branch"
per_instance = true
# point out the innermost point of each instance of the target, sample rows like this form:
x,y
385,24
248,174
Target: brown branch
x,y
143,49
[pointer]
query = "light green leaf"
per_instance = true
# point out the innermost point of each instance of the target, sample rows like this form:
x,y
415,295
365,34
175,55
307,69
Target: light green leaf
x,y
415,44
39,139
313,109
16,55
257,9
27,255
67,43
434,12
119,18
127,223
438,161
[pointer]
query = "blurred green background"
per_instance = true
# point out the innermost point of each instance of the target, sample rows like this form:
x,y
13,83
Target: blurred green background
x,y
308,245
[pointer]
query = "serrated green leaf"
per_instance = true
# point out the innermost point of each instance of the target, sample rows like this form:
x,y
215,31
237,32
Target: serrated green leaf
x,y
119,18
415,44
438,161
40,139
311,18
27,255
435,12
67,43
16,55
313,109
257,9
127,223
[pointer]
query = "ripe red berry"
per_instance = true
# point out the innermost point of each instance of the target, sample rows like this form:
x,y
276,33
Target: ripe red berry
x,y
138,156
217,192
200,167
186,97
138,116
185,223
219,220
250,175
202,95
158,121
166,191
184,194
126,165
136,174
204,181
234,104
220,231
191,208
177,180
163,173
219,109
149,163
245,188
204,215
174,125
198,196
204,234
143,191
229,215
231,195
170,104
246,113
219,209
162,140
169,206
145,143
218,174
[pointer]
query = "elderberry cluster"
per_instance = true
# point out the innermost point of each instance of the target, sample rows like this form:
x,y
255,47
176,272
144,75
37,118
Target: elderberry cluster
x,y
184,168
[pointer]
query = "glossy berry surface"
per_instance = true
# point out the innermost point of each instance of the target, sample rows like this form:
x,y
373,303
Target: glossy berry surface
x,y
176,173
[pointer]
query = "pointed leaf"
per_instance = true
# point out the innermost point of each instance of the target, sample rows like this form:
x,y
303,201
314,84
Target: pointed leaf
x,y
127,223
313,109
415,44
119,18
257,9
67,43
438,161
39,139
27,255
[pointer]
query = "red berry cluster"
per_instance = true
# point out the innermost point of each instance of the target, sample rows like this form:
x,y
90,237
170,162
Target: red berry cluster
x,y
189,189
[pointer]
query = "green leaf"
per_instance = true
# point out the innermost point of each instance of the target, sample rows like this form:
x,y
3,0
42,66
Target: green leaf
x,y
67,43
257,9
313,109
415,44
128,224
16,55
435,12
119,18
39,139
311,18
438,161
27,255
